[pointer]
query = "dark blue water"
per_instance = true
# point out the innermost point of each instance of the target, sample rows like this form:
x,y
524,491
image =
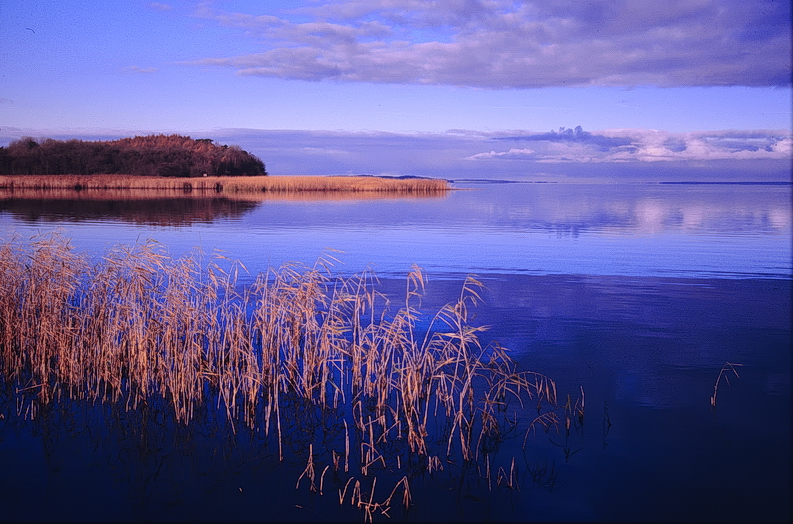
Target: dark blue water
x,y
637,294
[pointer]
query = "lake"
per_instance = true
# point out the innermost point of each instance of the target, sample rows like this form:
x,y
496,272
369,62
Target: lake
x,y
633,297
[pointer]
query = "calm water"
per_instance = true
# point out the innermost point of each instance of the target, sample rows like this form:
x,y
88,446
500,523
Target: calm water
x,y
658,230
637,293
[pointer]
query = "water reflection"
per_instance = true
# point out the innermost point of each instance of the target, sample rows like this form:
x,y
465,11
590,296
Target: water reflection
x,y
598,229
160,208
145,209
647,352
160,212
566,209
577,209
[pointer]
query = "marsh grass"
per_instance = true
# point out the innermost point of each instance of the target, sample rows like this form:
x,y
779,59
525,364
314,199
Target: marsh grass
x,y
229,185
298,352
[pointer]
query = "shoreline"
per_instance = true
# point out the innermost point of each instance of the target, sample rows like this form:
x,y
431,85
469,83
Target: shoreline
x,y
229,184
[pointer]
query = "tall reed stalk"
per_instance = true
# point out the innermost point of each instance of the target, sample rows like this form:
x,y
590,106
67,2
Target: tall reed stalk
x,y
141,327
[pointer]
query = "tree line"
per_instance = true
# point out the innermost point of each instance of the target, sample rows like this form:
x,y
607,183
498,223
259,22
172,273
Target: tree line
x,y
152,155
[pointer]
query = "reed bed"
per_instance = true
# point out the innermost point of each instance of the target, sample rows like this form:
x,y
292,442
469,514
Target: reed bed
x,y
231,185
139,328
137,195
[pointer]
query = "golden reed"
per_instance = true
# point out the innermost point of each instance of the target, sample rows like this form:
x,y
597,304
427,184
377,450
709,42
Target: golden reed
x,y
139,326
231,185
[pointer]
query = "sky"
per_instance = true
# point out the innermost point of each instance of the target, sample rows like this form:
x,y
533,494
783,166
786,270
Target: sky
x,y
471,88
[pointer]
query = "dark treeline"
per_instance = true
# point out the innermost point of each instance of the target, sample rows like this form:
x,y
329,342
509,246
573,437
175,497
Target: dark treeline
x,y
153,155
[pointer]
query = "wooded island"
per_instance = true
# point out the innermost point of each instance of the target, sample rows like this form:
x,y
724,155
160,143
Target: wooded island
x,y
152,155
158,162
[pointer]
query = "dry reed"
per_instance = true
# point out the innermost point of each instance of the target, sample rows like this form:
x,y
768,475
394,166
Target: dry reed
x,y
723,374
230,185
140,327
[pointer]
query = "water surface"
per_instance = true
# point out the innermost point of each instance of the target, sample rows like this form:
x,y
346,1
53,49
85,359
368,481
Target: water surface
x,y
638,294
593,229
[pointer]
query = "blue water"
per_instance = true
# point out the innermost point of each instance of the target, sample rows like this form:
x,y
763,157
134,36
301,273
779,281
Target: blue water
x,y
590,229
638,294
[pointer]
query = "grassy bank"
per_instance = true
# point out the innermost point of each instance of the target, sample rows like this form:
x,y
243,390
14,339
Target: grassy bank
x,y
229,185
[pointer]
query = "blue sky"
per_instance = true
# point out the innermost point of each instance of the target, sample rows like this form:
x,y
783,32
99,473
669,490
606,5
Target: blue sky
x,y
344,84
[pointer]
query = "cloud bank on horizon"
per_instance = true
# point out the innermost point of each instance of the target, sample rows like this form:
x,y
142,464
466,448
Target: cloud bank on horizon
x,y
577,145
566,153
504,44
571,153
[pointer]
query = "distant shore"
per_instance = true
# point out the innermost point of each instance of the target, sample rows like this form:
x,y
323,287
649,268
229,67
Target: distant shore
x,y
229,184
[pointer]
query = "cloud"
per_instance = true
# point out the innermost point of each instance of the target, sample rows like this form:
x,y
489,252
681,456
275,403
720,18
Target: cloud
x,y
506,44
576,135
512,153
137,69
653,146
160,7
619,146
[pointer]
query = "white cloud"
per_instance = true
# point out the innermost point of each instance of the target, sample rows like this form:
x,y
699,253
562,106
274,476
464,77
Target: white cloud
x,y
512,153
137,69
637,145
653,146
506,44
326,151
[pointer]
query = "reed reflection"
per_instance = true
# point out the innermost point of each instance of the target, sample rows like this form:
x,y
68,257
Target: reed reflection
x,y
160,207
